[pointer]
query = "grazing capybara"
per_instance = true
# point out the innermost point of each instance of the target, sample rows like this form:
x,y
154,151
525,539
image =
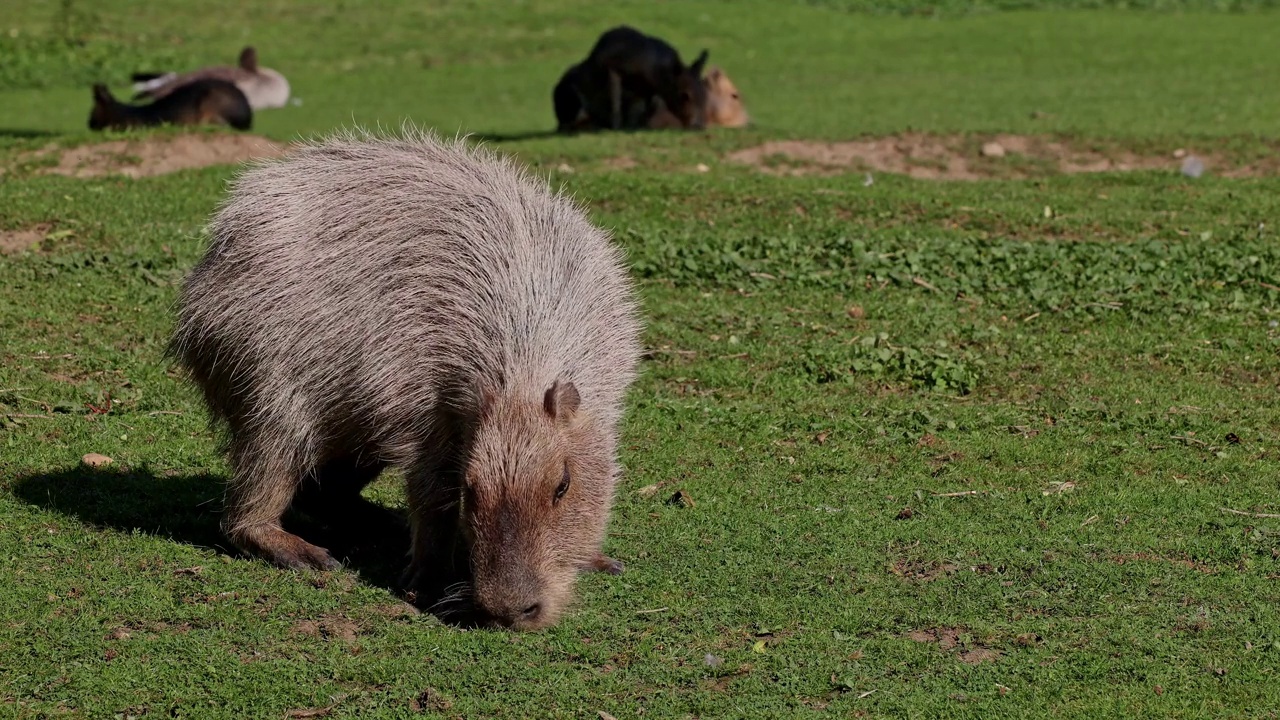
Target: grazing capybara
x,y
212,102
625,63
370,302
264,87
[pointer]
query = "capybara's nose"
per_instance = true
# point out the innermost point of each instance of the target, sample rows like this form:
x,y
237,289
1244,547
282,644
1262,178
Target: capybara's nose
x,y
516,615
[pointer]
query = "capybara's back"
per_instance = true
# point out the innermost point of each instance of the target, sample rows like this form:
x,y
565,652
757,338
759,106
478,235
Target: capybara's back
x,y
372,301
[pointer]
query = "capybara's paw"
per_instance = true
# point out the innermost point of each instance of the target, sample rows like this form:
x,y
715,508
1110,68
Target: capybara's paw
x,y
285,549
604,564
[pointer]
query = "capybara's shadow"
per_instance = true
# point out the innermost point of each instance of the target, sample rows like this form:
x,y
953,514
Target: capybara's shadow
x,y
26,133
185,508
514,137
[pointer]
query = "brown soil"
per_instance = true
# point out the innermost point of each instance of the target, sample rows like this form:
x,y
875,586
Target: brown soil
x,y
948,638
158,155
329,628
958,157
15,241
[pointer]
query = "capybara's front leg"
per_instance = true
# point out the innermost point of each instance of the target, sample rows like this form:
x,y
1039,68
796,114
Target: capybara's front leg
x,y
433,520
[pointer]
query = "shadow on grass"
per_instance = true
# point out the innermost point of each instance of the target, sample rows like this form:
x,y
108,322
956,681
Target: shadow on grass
x,y
185,508
515,137
26,133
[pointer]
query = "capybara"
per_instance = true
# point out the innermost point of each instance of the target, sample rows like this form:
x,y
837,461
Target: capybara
x,y
724,103
264,87
370,302
724,106
214,102
624,63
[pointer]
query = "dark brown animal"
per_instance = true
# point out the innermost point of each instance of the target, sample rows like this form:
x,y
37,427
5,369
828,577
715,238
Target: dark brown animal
x,y
615,85
373,302
214,102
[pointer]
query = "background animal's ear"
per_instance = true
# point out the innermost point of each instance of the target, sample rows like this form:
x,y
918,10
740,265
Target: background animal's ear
x,y
713,72
249,59
102,94
562,400
696,67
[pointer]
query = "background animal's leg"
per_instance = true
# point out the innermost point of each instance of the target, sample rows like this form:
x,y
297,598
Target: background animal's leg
x,y
258,494
615,100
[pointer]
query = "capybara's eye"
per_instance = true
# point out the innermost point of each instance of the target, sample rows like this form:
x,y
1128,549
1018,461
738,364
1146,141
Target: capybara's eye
x,y
563,487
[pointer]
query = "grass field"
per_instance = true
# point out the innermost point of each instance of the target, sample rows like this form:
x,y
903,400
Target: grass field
x,y
1004,447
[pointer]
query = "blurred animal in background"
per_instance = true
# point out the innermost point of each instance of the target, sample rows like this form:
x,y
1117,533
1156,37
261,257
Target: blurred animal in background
x,y
619,84
724,102
724,105
264,87
209,101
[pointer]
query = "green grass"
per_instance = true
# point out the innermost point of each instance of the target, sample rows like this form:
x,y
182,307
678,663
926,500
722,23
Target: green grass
x,y
1066,401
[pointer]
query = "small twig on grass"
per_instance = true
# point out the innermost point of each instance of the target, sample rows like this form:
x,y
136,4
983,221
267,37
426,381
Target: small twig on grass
x,y
1031,317
1270,516
163,412
865,694
1269,286
924,284
649,612
739,356
962,493
68,356
31,417
1189,440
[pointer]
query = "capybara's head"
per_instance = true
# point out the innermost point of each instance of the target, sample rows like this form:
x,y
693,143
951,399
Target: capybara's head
x,y
692,105
538,488
104,105
724,102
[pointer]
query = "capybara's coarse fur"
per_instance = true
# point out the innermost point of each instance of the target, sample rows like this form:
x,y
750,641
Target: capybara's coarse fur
x,y
369,302
624,63
264,87
211,102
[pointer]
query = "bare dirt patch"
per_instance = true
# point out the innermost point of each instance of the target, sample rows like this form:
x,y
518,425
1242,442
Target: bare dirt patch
x,y
949,638
329,628
961,157
15,241
146,157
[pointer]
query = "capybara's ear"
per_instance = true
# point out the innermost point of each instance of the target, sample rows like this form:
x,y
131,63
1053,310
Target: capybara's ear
x,y
486,398
696,67
249,59
101,94
561,401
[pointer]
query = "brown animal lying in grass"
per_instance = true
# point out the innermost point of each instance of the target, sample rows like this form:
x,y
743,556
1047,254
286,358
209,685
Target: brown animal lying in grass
x,y
264,87
213,102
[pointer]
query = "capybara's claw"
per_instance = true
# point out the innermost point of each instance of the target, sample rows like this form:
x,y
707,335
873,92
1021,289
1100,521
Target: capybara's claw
x,y
604,564
285,549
